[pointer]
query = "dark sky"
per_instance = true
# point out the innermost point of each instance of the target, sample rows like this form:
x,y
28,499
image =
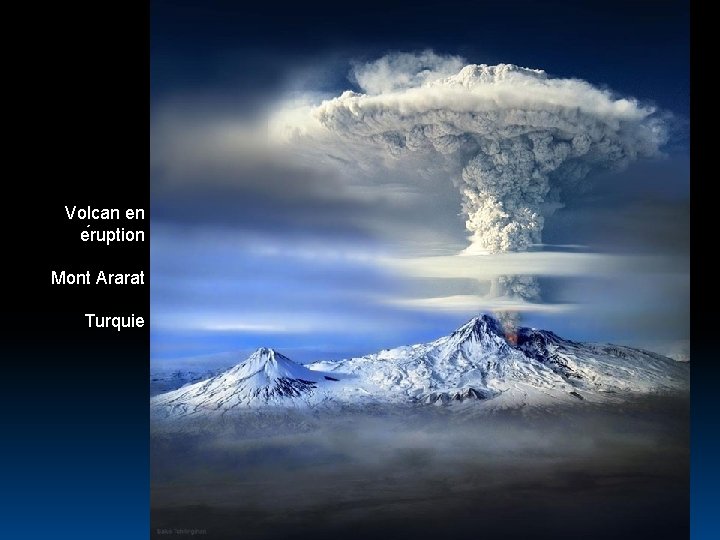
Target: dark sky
x,y
639,48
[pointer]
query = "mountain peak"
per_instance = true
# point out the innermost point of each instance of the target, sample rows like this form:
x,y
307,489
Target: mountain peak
x,y
264,355
481,325
265,352
270,362
483,329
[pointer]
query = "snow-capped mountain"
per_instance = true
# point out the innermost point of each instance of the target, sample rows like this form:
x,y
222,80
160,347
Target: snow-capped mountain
x,y
476,365
266,377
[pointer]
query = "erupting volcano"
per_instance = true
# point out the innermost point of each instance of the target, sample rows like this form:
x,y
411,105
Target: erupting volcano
x,y
484,361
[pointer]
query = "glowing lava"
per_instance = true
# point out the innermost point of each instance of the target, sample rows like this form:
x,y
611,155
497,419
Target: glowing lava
x,y
509,322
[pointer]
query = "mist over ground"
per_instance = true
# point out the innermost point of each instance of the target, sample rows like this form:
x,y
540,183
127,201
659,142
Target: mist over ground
x,y
589,471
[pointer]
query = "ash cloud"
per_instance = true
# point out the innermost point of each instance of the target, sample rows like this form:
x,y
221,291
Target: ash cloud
x,y
521,139
398,71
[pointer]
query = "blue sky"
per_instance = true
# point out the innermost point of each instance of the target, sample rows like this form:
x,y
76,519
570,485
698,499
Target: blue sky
x,y
251,247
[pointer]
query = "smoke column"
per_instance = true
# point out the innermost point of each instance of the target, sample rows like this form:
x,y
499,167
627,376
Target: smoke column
x,y
522,140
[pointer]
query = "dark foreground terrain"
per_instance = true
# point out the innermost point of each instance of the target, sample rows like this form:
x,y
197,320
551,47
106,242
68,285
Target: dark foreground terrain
x,y
618,471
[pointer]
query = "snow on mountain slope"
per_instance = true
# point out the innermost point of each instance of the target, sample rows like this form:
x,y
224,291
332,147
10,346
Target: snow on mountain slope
x,y
603,368
172,373
474,357
265,378
475,365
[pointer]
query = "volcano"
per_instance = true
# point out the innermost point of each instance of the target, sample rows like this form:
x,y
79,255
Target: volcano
x,y
474,366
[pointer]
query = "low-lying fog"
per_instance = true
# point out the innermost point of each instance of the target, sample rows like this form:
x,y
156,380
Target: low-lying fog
x,y
587,472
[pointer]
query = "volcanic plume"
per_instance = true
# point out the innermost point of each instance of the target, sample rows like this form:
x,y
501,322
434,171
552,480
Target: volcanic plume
x,y
523,139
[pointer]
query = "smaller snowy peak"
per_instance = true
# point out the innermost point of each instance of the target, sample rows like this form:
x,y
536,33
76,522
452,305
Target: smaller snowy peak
x,y
270,364
265,378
